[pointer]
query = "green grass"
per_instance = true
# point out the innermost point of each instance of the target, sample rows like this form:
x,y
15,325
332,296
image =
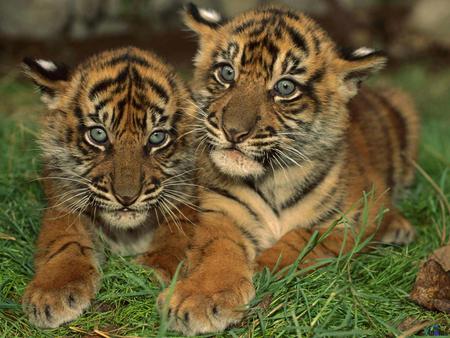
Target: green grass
x,y
365,296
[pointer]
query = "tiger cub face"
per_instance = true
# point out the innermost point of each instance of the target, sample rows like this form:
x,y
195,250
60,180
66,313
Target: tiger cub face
x,y
273,88
115,141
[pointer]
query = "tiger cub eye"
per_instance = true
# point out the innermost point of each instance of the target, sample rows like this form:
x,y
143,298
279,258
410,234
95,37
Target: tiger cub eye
x,y
227,73
285,87
98,135
157,138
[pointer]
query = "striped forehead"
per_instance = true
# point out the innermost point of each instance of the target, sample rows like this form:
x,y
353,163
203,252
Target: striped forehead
x,y
127,92
265,37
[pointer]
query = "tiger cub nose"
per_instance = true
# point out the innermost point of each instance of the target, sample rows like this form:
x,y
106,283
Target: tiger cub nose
x,y
236,136
126,200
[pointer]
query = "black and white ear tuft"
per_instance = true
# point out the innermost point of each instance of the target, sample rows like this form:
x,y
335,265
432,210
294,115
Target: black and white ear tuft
x,y
47,69
201,20
359,64
362,52
50,77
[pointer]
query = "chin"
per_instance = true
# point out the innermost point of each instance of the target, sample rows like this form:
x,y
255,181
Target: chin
x,y
123,219
236,164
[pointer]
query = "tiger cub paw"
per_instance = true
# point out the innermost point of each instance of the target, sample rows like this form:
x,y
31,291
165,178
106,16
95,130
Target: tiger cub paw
x,y
197,307
51,302
163,263
399,231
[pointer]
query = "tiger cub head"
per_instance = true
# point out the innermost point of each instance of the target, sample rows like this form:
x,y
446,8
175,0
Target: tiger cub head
x,y
115,141
273,88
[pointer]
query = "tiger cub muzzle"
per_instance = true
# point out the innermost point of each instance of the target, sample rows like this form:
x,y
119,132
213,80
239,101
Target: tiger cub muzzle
x,y
239,120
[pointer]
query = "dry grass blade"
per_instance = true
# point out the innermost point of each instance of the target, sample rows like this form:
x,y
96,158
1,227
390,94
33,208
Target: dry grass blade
x,y
7,237
416,328
445,207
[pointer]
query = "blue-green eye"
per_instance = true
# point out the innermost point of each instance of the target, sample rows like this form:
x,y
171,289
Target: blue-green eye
x,y
98,135
285,87
227,73
157,138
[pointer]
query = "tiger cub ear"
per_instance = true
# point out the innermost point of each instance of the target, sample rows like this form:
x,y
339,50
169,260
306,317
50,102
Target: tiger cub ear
x,y
51,78
356,66
200,20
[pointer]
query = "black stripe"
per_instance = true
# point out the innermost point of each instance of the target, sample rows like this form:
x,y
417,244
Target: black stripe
x,y
281,12
158,89
176,117
302,190
244,26
235,47
104,84
316,43
65,246
259,29
326,216
316,77
297,39
400,121
117,117
236,199
127,58
252,185
297,71
249,236
400,128
281,120
289,58
100,105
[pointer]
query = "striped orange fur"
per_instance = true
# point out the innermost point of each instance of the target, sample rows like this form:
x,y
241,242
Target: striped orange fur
x,y
118,164
288,148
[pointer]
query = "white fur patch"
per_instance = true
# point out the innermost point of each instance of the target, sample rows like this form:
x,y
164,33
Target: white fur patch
x,y
123,220
209,15
139,246
363,51
47,65
234,163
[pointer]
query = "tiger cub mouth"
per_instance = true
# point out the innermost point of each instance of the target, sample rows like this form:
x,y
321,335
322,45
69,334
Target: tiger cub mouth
x,y
233,162
124,218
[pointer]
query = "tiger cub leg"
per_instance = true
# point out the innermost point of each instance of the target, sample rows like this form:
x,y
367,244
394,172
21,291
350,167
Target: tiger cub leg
x,y
66,277
396,229
287,250
169,246
219,283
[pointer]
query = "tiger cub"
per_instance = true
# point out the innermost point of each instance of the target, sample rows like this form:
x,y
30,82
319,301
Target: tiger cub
x,y
117,162
291,147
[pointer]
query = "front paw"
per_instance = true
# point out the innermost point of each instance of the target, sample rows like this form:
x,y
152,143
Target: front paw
x,y
164,263
51,302
203,306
